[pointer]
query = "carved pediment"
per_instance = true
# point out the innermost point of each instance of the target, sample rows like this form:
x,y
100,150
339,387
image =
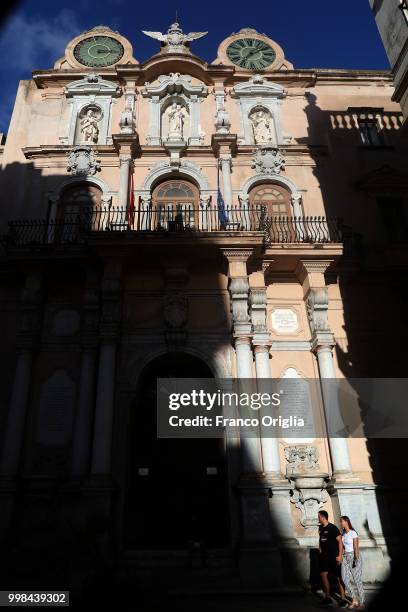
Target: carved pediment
x,y
94,85
258,86
174,83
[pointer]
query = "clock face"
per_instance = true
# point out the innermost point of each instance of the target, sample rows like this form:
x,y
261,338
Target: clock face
x,y
251,53
98,51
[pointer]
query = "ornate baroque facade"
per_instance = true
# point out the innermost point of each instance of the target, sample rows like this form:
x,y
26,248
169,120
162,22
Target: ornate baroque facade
x,y
122,262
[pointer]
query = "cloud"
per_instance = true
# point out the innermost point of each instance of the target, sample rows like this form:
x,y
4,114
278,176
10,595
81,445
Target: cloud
x,y
34,42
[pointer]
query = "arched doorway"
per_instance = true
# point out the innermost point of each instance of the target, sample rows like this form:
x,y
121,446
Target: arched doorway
x,y
177,488
175,205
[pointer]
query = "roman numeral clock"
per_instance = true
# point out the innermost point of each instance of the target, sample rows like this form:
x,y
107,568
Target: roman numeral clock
x,y
248,50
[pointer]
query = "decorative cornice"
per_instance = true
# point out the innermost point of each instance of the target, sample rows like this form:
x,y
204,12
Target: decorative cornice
x,y
238,254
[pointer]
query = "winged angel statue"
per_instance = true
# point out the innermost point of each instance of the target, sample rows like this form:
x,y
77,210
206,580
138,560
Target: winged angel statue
x,y
175,41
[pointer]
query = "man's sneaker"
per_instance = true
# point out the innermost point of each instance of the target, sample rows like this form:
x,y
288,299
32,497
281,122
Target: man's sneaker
x,y
327,603
343,603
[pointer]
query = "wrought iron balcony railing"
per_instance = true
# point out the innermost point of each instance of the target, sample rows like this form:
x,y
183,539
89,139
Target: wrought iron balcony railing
x,y
78,227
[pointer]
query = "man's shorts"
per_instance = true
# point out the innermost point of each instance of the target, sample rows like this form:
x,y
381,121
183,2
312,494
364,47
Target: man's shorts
x,y
330,565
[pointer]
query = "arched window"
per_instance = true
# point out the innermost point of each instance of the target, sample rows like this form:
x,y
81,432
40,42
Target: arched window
x,y
79,201
276,198
176,205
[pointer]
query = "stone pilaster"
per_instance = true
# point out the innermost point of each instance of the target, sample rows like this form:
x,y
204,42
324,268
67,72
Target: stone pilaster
x,y
86,399
259,558
29,330
262,342
27,339
311,275
109,330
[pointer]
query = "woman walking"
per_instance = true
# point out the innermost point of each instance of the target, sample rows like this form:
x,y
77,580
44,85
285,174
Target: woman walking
x,y
352,567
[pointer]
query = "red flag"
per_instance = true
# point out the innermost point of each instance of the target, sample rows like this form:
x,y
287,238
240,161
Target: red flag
x,y
131,201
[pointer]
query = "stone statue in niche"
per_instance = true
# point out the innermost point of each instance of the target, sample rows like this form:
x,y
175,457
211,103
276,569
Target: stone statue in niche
x,y
262,127
89,127
176,122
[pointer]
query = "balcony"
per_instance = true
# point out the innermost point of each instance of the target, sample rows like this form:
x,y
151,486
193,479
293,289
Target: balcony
x,y
175,220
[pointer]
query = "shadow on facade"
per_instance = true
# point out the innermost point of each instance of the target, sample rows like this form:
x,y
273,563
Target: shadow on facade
x,y
66,523
369,278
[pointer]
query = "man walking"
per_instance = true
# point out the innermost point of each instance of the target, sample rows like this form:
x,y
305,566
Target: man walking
x,y
330,557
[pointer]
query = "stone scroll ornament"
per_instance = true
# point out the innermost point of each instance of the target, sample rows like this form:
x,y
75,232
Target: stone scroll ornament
x,y
82,161
308,482
175,310
268,161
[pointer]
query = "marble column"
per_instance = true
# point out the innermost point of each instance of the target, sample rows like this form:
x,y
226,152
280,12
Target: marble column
x,y
262,343
311,274
338,446
242,328
123,198
225,162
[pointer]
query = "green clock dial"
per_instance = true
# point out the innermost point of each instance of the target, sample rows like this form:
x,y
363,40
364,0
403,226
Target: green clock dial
x,y
251,53
98,51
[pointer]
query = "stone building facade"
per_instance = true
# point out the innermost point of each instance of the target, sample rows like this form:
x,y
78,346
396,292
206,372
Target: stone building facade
x,y
178,217
391,17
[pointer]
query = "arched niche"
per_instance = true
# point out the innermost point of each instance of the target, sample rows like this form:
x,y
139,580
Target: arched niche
x,y
91,92
177,104
259,92
167,89
88,124
263,125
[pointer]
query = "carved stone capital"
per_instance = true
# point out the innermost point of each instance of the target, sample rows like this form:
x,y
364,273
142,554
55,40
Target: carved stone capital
x,y
205,200
125,159
323,342
237,254
261,348
242,339
312,266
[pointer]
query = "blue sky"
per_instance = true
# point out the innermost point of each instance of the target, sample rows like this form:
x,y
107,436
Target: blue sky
x,y
313,34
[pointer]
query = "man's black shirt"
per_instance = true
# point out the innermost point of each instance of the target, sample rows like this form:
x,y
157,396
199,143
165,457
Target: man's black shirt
x,y
329,546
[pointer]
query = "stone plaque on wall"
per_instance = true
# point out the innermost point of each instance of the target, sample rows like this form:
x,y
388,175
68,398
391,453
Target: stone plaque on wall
x,y
56,410
297,401
66,322
284,320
